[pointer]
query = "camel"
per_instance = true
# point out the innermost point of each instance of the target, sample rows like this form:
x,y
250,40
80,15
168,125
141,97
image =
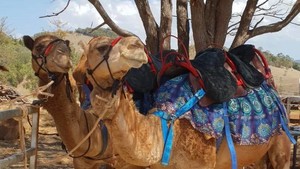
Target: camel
x,y
138,139
51,61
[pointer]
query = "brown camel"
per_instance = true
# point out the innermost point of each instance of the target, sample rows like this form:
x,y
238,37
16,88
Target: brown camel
x,y
51,61
138,138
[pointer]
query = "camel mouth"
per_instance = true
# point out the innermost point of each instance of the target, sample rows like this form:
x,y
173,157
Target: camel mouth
x,y
64,68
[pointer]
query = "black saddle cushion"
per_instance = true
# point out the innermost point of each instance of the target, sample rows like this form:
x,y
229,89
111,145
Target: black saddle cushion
x,y
218,81
244,52
242,56
142,80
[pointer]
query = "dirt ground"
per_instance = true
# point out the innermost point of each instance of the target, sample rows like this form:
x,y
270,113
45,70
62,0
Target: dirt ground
x,y
50,153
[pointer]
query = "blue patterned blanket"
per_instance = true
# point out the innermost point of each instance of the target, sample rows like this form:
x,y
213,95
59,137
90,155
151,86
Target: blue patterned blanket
x,y
253,118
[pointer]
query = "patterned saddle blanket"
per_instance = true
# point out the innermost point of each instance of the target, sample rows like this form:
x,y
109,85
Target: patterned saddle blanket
x,y
253,118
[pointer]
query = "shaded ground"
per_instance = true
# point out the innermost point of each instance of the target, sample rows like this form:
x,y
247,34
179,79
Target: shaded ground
x,y
49,147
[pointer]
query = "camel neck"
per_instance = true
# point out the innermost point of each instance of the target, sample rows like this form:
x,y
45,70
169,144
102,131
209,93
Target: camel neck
x,y
66,114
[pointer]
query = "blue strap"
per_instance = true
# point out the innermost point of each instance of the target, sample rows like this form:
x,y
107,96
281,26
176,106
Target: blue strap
x,y
164,125
190,103
168,146
284,125
229,138
104,134
282,114
87,102
168,131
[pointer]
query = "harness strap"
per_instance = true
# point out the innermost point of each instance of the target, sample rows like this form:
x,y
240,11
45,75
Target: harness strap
x,y
150,61
168,131
229,138
104,134
264,61
282,116
181,61
105,58
239,79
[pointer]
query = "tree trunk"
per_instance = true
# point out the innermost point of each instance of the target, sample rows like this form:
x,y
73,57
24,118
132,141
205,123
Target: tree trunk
x,y
150,26
198,24
223,15
183,27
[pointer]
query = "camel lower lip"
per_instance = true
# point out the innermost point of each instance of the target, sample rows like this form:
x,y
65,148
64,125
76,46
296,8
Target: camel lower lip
x,y
63,67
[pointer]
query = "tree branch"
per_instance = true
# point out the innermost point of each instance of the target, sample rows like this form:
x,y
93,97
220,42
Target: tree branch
x,y
223,15
258,22
183,26
246,18
274,27
165,23
114,27
97,27
56,14
150,25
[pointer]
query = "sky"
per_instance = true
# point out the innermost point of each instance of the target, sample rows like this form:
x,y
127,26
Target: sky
x,y
22,18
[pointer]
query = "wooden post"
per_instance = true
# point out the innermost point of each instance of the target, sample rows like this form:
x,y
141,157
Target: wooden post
x,y
299,86
288,107
30,152
34,138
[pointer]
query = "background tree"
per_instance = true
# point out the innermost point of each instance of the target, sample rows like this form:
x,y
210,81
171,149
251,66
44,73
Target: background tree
x,y
211,21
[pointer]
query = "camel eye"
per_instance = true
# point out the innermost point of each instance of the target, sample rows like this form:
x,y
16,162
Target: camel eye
x,y
103,49
40,48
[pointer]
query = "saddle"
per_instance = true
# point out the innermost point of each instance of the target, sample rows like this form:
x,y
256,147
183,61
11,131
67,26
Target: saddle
x,y
254,58
242,57
221,80
135,78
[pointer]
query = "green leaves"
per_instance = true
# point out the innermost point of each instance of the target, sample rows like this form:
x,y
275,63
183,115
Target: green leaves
x,y
16,58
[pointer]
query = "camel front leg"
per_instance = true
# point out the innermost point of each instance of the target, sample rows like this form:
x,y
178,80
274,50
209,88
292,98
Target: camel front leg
x,y
136,138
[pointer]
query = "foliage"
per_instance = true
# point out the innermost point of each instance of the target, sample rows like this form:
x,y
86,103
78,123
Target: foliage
x,y
98,32
280,60
16,58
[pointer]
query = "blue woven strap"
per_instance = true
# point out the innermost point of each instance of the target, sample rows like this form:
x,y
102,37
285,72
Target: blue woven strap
x,y
229,138
284,124
190,103
164,122
282,116
168,131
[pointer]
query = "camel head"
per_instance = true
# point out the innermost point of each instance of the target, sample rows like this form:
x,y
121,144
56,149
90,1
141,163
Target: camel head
x,y
49,54
110,59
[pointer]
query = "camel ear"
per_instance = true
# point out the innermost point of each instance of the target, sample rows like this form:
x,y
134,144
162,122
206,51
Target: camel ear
x,y
28,42
83,46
